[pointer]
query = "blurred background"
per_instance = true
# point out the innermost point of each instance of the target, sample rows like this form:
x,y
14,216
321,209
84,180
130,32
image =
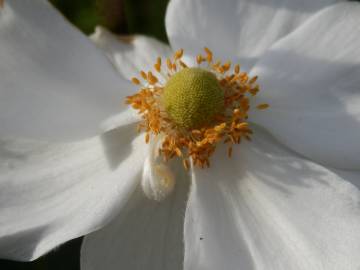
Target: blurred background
x,y
122,17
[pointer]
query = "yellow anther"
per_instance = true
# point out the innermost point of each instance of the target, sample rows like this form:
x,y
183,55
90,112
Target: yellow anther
x,y
221,70
226,66
151,78
263,106
243,77
199,59
237,69
178,152
254,91
135,81
207,50
209,54
143,74
157,65
178,54
243,125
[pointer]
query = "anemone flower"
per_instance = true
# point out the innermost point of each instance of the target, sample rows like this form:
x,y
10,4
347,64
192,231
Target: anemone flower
x,y
235,167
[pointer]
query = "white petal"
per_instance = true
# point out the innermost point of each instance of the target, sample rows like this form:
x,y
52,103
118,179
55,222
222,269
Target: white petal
x,y
158,180
51,193
148,236
267,209
54,83
235,29
133,55
311,81
126,117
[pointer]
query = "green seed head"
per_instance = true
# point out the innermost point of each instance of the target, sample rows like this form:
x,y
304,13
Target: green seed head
x,y
192,97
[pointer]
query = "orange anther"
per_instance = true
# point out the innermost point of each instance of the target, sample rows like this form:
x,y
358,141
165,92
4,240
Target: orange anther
x,y
151,78
143,74
199,59
263,106
135,81
209,54
178,54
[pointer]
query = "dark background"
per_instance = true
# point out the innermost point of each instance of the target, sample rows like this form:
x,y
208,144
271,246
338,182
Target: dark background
x,y
120,16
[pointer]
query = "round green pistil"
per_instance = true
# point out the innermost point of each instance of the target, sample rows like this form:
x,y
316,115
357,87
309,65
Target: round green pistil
x,y
192,97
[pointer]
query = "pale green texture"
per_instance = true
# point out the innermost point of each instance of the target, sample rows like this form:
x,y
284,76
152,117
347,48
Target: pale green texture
x,y
192,97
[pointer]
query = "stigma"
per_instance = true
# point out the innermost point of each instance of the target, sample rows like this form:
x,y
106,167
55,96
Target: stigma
x,y
195,109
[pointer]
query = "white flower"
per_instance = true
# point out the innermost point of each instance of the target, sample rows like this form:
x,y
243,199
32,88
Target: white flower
x,y
294,205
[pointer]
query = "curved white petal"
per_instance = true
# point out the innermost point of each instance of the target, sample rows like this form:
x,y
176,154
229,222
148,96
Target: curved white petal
x,y
235,29
158,179
311,81
268,209
54,83
147,236
132,54
51,193
127,117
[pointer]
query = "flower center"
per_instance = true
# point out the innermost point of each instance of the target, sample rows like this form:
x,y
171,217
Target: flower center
x,y
196,108
192,97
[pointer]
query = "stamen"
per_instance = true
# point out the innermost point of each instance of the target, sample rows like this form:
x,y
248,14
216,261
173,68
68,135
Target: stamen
x,y
199,59
262,106
178,54
151,78
143,75
157,66
226,66
195,144
237,69
209,54
135,81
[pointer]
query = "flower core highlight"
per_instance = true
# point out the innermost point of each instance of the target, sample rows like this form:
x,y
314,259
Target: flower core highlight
x,y
195,108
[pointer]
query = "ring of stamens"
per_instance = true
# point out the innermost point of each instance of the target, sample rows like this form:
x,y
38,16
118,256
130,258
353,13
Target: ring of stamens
x,y
229,126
